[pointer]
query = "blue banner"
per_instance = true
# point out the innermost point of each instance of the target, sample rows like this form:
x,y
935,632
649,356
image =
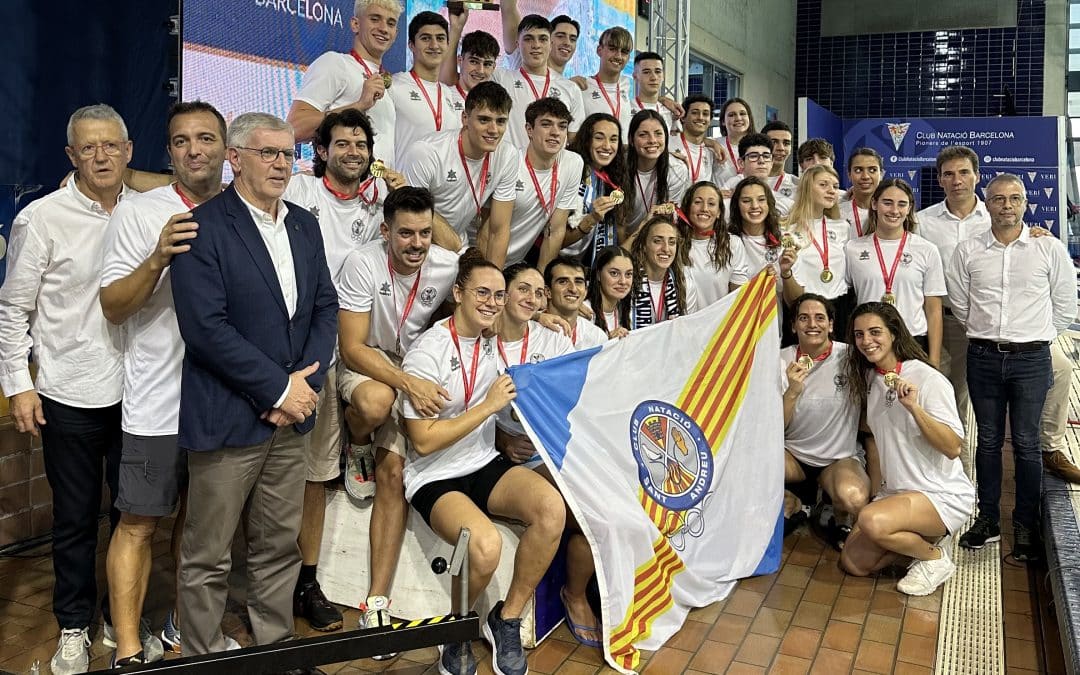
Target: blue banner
x,y
818,122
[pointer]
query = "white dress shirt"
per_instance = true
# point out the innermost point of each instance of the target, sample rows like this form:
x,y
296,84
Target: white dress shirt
x,y
944,230
49,302
1021,292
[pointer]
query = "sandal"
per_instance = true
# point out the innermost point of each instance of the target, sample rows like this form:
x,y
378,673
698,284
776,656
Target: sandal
x,y
577,630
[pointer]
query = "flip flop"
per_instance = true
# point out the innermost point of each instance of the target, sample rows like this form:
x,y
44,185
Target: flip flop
x,y
577,630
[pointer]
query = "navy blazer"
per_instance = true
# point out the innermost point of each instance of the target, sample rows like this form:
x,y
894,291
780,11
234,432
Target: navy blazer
x,y
240,342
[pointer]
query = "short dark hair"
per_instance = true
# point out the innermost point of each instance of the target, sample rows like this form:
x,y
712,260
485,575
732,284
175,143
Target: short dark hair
x,y
532,22
480,43
866,152
562,259
547,106
490,95
816,146
562,18
409,200
776,125
698,98
958,152
750,140
830,309
647,56
189,107
350,118
426,19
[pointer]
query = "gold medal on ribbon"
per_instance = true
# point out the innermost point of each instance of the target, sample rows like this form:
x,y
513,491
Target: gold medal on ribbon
x,y
889,298
891,379
387,80
378,168
665,209
826,275
618,196
788,242
806,362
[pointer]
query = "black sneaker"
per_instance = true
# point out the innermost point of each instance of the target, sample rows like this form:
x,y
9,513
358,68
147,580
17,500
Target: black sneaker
x,y
133,660
450,662
507,654
982,532
310,603
1026,546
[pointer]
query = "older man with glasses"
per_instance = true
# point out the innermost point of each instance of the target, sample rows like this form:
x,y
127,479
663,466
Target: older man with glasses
x,y
258,315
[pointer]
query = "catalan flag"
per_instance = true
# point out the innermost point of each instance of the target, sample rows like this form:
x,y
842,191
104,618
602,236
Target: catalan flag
x,y
668,447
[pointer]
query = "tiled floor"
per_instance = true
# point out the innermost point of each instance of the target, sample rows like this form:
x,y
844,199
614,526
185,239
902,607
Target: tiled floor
x,y
807,618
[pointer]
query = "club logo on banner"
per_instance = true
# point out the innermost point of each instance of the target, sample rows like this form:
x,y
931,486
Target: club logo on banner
x,y
897,131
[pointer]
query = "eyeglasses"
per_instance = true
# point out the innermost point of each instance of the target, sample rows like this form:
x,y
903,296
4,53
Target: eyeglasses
x,y
757,157
483,295
999,200
268,155
89,151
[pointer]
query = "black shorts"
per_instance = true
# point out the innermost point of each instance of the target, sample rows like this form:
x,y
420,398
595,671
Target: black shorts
x,y
153,472
477,486
807,489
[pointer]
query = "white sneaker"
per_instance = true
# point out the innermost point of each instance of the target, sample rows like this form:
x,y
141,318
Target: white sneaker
x,y
360,471
72,652
152,646
925,576
374,613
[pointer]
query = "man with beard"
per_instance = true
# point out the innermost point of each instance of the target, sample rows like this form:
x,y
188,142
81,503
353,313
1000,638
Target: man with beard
x,y
564,278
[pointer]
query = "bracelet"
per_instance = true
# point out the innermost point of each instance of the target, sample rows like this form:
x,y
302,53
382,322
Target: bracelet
x,y
788,275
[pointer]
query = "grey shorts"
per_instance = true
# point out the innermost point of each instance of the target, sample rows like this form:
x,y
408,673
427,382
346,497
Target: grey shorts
x,y
153,471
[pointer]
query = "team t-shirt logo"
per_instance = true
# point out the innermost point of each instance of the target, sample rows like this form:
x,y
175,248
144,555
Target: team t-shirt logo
x,y
832,236
451,176
864,254
358,230
427,296
458,106
454,363
519,186
772,254
414,95
905,259
488,351
786,191
555,93
314,211
518,84
385,289
536,358
596,95
840,381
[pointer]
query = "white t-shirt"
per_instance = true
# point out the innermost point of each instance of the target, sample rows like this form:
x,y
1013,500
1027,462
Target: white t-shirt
x,y
644,187
700,157
364,285
347,224
726,170
824,425
908,460
918,274
152,347
847,212
618,93
637,105
530,218
415,118
786,186
808,265
435,164
517,85
434,358
334,80
587,334
456,96
759,254
783,204
712,283
543,344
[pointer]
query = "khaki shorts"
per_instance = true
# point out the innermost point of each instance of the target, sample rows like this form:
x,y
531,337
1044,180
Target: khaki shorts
x,y
324,446
390,436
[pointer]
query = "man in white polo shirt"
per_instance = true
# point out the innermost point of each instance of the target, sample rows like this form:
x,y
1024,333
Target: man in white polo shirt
x,y
648,80
1015,294
781,182
962,216
535,79
49,304
547,183
388,291
336,81
564,37
467,169
608,91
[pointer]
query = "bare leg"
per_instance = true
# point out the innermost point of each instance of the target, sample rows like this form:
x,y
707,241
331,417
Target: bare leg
x,y
128,569
903,524
454,511
847,484
389,514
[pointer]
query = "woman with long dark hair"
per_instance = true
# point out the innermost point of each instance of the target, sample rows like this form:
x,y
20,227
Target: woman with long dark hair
x,y
662,290
713,258
655,181
754,219
736,120
604,188
611,280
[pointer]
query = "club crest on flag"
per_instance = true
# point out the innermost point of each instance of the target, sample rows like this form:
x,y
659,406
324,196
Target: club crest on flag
x,y
675,463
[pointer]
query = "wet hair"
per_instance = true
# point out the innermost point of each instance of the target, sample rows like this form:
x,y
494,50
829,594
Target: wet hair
x,y
727,104
511,272
407,199
776,125
815,146
803,206
480,43
595,294
616,171
662,163
638,253
899,183
532,22
720,244
190,107
350,118
472,259
958,152
562,259
830,308
904,347
547,106
753,139
426,19
490,95
866,152
772,218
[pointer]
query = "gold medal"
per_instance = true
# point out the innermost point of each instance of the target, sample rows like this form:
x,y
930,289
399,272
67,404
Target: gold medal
x,y
387,80
665,209
617,195
891,379
826,275
806,362
788,242
889,298
378,168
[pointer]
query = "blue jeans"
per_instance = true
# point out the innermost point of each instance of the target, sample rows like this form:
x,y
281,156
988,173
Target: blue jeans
x,y
1016,382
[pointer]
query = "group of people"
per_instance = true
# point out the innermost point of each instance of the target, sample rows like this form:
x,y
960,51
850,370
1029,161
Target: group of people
x,y
229,351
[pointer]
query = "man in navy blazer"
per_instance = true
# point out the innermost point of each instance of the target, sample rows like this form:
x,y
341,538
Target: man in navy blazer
x,y
258,315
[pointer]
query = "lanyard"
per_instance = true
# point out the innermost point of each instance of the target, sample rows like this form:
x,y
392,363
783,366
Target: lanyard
x,y
470,381
524,349
536,184
364,65
476,194
858,220
528,80
408,301
822,250
183,197
652,185
891,275
660,302
436,113
344,196
615,314
731,155
891,376
604,177
695,169
799,355
779,180
617,108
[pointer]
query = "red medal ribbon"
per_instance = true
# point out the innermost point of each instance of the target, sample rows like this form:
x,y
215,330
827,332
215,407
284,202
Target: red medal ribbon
x,y
899,364
604,177
891,276
799,354
660,303
858,220
779,180
616,315
476,194
823,252
183,197
469,381
409,300
344,196
641,106
731,155
536,184
437,114
694,170
615,109
460,90
648,204
364,65
524,349
528,80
